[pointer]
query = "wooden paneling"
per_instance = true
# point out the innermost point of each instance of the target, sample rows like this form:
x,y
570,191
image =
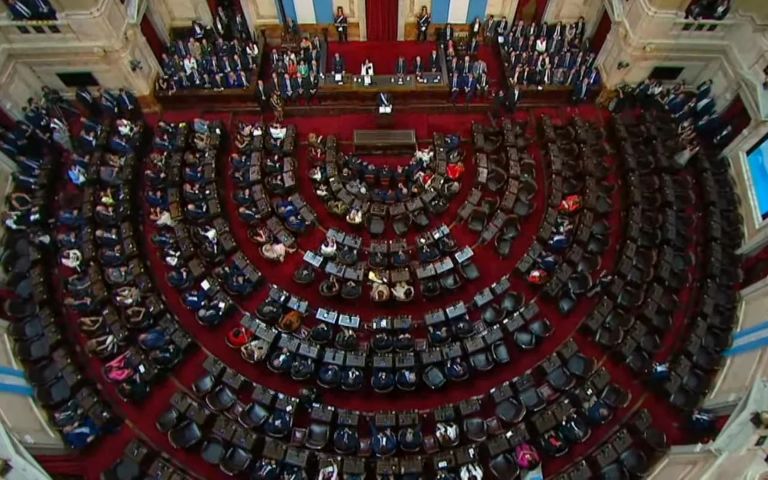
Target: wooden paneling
x,y
274,32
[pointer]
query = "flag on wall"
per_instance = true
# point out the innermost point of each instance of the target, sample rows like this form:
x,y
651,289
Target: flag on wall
x,y
309,11
458,11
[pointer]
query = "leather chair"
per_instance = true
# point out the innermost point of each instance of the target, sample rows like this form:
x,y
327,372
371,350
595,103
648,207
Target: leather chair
x,y
524,339
541,327
500,352
560,379
212,450
351,292
580,365
434,377
566,303
221,398
401,224
318,435
477,220
512,302
185,435
491,315
504,467
376,225
475,429
430,287
635,462
481,361
203,385
54,393
522,208
235,461
167,420
532,399
579,283
510,411
26,330
615,397
253,416
469,270
450,281
614,471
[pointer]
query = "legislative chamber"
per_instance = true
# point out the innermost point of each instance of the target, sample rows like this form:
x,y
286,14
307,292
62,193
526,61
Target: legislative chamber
x,y
384,240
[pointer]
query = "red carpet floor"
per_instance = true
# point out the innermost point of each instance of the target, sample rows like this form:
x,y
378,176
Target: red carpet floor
x,y
140,419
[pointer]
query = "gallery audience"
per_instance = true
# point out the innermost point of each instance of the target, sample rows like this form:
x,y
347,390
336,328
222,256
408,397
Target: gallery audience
x,y
708,9
209,60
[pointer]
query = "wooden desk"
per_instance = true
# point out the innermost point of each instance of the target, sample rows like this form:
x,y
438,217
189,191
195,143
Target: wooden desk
x,y
385,141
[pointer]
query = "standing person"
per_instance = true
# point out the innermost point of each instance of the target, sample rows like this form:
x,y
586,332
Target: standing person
x,y
277,106
341,23
423,24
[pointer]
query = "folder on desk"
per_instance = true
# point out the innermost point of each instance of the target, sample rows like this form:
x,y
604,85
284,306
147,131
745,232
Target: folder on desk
x,y
337,78
366,80
385,109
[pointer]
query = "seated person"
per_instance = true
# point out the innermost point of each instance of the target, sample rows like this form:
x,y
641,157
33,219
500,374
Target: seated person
x,y
382,380
290,322
406,380
328,247
447,433
351,379
402,292
384,102
384,442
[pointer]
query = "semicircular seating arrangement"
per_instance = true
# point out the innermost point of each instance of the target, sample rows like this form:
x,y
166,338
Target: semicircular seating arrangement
x,y
221,296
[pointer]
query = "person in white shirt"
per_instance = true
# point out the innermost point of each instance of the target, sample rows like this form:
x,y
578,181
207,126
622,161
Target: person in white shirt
x,y
190,64
277,131
471,471
367,68
541,44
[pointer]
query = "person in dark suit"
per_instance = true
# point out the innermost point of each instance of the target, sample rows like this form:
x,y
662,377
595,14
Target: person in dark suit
x,y
341,24
311,84
448,32
475,28
338,64
580,91
488,29
434,62
474,46
456,86
85,98
501,27
423,24
401,67
418,66
470,87
384,99
19,11
512,98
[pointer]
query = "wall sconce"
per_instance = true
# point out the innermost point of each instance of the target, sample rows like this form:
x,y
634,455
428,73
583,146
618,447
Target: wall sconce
x,y
622,65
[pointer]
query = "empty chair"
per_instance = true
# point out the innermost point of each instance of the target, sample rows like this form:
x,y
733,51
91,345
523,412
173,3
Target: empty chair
x,y
318,435
235,461
167,420
401,225
204,385
579,283
491,314
504,467
221,398
212,450
54,393
512,302
532,399
475,429
510,411
566,303
185,435
253,416
541,327
616,397
500,352
560,379
469,270
614,471
477,220
481,361
524,339
376,225
580,365
635,462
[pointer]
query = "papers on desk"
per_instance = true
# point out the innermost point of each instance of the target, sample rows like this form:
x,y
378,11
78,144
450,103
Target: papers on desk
x,y
366,80
337,78
385,109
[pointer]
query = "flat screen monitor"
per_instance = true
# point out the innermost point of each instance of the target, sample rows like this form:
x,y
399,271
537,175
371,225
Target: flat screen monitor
x,y
757,159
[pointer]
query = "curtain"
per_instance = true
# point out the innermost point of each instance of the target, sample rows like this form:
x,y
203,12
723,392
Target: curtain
x,y
601,32
737,115
153,39
6,120
381,19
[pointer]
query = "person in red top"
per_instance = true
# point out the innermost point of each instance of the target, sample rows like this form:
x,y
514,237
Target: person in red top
x,y
455,170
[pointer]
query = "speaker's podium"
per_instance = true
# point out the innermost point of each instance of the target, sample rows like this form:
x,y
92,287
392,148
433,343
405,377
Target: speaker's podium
x,y
384,110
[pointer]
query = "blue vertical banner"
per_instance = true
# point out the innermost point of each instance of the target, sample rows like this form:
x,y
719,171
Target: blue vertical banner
x,y
477,8
289,8
439,11
324,11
